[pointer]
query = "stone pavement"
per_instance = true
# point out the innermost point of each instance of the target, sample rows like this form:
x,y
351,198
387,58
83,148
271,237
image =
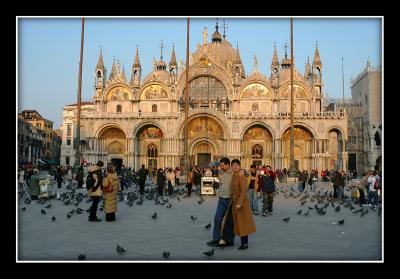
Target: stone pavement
x,y
303,238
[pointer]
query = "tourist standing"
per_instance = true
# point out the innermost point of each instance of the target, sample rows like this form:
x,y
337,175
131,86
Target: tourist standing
x,y
142,179
95,191
252,182
34,189
110,187
189,182
170,181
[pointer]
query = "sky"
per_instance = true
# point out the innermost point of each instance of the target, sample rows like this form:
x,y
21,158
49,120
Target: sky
x,y
49,49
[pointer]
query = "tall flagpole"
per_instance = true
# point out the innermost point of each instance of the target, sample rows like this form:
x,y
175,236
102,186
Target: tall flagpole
x,y
78,115
342,84
292,169
185,144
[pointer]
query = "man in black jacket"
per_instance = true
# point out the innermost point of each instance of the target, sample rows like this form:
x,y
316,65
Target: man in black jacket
x,y
197,179
142,179
160,181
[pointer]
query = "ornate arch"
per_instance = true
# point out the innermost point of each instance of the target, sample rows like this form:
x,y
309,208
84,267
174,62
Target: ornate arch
x,y
195,113
154,90
302,125
340,129
298,88
200,69
108,125
255,123
199,140
119,89
146,123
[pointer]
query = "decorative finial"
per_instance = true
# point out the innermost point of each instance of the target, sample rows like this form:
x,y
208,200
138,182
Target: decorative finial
x,y
216,26
286,47
161,49
274,44
224,26
137,47
101,49
255,64
316,44
237,44
205,35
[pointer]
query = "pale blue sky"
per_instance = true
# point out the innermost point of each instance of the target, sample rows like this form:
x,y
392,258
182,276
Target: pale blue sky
x,y
48,50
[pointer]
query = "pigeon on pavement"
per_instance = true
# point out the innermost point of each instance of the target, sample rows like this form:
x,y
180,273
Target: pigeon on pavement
x,y
154,216
286,219
209,253
120,250
208,226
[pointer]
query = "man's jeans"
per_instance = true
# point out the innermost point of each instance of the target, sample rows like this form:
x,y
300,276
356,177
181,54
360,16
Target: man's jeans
x,y
219,216
373,198
253,200
340,192
300,186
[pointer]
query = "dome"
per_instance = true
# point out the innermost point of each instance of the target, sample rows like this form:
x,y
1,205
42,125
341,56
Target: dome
x,y
219,53
160,76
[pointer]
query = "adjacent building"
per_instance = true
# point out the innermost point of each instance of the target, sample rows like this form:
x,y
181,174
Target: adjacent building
x,y
365,120
30,142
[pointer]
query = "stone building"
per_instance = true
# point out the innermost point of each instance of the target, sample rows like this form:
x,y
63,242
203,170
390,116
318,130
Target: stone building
x,y
365,120
141,120
29,142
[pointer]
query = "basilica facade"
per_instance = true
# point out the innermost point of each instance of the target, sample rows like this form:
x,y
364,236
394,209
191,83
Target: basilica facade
x,y
141,120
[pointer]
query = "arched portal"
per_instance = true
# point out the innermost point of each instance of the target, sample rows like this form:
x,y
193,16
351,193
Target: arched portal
x,y
335,149
303,140
257,146
148,145
112,144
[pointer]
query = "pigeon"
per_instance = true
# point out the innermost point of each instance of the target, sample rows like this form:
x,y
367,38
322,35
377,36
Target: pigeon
x,y
169,205
53,218
303,202
120,249
193,217
178,199
299,212
199,201
308,212
337,209
72,211
68,216
209,253
43,211
154,216
23,209
311,208
166,255
341,222
208,226
48,206
286,219
82,257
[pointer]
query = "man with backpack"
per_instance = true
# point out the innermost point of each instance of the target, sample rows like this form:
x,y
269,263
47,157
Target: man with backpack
x,y
94,184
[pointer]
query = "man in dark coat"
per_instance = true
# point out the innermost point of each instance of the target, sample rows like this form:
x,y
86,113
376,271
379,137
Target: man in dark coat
x,y
197,178
160,181
142,179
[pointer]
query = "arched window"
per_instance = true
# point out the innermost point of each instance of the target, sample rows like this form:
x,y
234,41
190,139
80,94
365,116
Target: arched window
x,y
152,151
98,74
154,108
377,139
257,152
119,108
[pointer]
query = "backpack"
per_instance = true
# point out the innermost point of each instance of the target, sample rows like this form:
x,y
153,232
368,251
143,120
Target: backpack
x,y
376,186
89,181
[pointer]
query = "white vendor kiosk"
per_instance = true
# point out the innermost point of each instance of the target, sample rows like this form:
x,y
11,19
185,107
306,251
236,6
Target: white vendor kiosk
x,y
206,187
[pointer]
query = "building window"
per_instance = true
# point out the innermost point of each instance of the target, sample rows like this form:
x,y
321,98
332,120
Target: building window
x,y
68,141
119,108
152,151
67,160
377,139
68,130
154,108
26,151
257,152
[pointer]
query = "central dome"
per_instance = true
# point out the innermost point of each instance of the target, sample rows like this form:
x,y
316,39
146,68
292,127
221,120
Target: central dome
x,y
219,52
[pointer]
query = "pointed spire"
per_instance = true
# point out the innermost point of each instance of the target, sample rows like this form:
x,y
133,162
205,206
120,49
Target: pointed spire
x,y
100,63
255,64
113,70
123,72
275,61
172,61
317,59
216,37
238,60
307,72
136,63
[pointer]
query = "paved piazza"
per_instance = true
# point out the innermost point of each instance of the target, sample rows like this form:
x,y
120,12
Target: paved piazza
x,y
312,237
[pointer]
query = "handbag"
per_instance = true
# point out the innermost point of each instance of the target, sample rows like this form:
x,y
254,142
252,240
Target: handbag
x,y
108,188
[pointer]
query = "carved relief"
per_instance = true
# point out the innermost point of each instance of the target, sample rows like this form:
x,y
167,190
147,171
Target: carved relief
x,y
152,92
112,133
151,133
257,133
255,91
299,134
204,127
115,148
298,91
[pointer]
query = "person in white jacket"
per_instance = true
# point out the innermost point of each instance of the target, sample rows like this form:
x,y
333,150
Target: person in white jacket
x,y
373,194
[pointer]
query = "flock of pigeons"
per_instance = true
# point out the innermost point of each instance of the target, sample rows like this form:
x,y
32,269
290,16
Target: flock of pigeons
x,y
317,202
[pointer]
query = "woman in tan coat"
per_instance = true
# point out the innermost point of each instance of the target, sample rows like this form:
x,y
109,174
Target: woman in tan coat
x,y
239,211
110,197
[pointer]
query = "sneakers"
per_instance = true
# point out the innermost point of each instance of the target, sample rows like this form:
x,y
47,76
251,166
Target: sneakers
x,y
213,243
243,246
